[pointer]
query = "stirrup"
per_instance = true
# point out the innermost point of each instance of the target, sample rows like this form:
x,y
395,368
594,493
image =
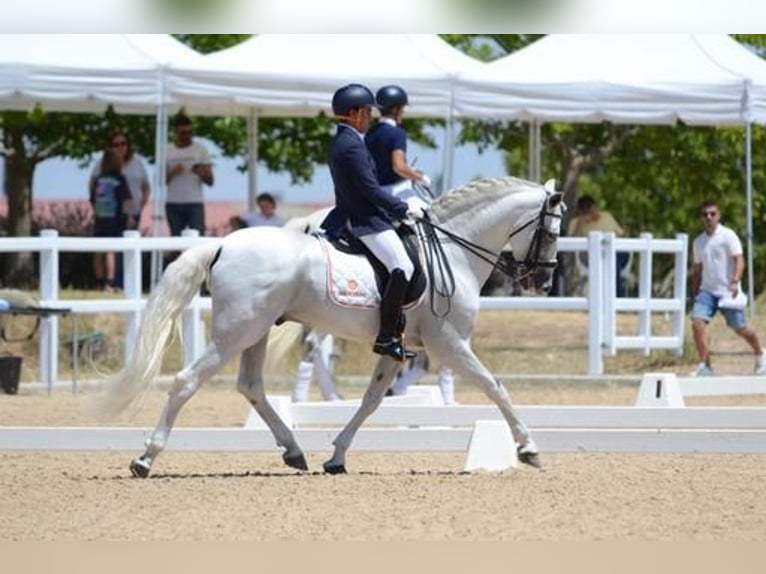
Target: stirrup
x,y
393,348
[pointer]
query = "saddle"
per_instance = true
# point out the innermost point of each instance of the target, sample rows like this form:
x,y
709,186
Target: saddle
x,y
350,245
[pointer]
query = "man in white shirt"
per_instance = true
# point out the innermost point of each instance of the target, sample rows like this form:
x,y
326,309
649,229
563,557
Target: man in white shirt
x,y
716,275
188,168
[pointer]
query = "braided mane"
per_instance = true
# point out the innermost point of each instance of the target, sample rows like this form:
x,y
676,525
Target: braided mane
x,y
478,193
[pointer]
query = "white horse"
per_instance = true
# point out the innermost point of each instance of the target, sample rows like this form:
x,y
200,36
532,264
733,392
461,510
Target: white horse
x,y
263,275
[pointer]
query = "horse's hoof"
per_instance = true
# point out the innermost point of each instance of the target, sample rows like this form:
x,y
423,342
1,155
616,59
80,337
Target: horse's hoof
x,y
296,461
139,468
531,458
334,468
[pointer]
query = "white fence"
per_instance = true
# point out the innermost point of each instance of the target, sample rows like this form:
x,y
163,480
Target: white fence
x,y
601,302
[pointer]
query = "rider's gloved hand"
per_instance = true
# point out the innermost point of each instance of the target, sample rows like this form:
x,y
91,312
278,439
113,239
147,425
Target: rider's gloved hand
x,y
416,208
425,181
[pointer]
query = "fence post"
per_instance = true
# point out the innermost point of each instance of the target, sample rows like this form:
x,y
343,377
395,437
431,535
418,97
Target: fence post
x,y
595,304
610,292
49,294
679,291
645,292
131,256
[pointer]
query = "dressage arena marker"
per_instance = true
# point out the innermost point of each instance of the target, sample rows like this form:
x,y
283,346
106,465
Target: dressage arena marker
x,y
668,390
491,447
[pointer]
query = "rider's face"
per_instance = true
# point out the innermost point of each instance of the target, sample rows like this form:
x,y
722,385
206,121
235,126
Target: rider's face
x,y
360,118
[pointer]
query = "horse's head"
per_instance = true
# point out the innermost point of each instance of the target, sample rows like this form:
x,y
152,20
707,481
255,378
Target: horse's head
x,y
534,241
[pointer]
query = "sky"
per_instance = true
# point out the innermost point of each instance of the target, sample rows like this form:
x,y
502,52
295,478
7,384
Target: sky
x,y
60,179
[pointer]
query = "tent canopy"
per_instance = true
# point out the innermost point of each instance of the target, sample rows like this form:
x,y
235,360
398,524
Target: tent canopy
x,y
86,72
627,78
296,74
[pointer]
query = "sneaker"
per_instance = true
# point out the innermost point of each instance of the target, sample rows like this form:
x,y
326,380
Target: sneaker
x,y
760,364
702,370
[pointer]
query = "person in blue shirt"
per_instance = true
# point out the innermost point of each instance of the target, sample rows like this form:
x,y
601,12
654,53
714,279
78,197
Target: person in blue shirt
x,y
387,142
112,205
368,212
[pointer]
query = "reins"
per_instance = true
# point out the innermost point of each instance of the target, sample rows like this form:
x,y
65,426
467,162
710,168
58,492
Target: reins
x,y
436,259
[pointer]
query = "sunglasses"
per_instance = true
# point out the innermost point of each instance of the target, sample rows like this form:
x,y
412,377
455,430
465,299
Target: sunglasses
x,y
122,143
709,214
185,132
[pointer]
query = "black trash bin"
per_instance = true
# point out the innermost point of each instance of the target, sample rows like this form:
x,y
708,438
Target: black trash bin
x,y
10,373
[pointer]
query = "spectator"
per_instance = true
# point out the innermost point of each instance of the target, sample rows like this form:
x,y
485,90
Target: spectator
x,y
113,212
188,168
266,214
134,170
716,275
588,217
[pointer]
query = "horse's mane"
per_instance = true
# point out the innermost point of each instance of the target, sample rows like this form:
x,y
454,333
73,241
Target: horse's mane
x,y
462,200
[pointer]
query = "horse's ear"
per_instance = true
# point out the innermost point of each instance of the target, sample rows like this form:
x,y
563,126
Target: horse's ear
x,y
555,199
550,185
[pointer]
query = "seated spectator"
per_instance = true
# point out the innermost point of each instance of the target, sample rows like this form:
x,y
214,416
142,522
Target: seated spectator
x,y
266,214
588,217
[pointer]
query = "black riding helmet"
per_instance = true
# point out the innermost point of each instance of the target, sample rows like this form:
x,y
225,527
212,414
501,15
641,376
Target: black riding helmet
x,y
391,96
351,97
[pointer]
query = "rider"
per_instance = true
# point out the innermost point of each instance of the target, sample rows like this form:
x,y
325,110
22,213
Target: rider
x,y
387,142
368,211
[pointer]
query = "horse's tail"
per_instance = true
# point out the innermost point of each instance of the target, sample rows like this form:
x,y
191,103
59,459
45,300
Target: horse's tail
x,y
281,340
178,286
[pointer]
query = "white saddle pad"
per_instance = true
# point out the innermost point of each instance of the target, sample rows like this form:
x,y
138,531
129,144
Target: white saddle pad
x,y
350,279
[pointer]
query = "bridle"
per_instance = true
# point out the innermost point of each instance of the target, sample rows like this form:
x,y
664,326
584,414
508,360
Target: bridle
x,y
436,258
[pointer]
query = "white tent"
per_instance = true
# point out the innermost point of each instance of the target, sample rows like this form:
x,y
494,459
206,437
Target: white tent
x,y
629,78
86,72
296,74
293,75
703,79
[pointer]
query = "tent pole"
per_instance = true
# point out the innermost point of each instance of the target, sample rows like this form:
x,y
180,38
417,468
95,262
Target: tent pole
x,y
252,159
160,184
449,154
535,149
749,215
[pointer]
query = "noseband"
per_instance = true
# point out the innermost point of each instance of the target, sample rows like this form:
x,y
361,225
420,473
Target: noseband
x,y
532,261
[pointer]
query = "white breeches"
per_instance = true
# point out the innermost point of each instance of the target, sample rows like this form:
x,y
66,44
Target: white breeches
x,y
388,248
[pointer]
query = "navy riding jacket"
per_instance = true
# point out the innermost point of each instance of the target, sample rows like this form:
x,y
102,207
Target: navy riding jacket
x,y
360,202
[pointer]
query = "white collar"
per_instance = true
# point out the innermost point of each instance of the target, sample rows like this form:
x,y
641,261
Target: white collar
x,y
353,129
387,120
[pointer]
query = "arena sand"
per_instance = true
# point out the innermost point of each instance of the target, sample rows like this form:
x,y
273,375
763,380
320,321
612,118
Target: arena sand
x,y
232,496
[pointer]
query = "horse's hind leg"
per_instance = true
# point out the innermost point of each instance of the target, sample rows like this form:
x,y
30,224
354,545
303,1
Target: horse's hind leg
x,y
460,357
187,382
250,384
381,379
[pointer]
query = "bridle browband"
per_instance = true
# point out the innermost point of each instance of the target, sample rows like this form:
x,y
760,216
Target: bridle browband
x,y
435,257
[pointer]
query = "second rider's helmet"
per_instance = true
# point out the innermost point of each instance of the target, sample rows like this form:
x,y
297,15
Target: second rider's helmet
x,y
351,97
389,97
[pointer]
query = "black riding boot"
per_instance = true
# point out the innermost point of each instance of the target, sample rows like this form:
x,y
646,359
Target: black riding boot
x,y
389,341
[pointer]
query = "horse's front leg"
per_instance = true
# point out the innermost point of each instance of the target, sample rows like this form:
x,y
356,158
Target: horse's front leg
x,y
457,354
250,384
381,379
187,382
